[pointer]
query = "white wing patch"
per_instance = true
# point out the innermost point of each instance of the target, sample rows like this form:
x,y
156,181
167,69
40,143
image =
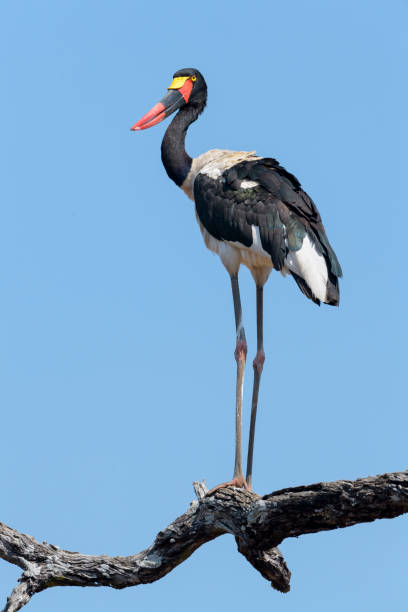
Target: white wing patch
x,y
311,266
249,185
212,170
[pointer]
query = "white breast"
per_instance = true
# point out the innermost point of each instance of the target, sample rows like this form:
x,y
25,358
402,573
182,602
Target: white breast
x,y
233,254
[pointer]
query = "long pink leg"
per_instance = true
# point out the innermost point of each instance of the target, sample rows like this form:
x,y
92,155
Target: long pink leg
x,y
240,357
258,366
241,350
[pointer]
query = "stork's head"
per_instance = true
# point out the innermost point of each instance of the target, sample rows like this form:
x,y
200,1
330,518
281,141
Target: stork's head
x,y
188,88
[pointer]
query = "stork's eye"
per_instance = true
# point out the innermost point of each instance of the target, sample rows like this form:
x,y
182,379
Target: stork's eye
x,y
194,78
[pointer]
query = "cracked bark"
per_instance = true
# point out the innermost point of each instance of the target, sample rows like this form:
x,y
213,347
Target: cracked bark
x,y
259,525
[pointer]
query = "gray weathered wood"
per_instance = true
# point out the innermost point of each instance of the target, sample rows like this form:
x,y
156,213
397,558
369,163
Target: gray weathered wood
x,y
259,525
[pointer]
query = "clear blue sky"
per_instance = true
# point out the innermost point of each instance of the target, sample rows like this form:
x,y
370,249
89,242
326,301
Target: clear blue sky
x,y
116,326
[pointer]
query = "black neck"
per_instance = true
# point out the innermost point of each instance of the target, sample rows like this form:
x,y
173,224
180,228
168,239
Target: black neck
x,y
174,157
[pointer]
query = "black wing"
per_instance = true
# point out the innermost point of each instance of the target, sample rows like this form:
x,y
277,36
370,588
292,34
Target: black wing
x,y
227,212
278,205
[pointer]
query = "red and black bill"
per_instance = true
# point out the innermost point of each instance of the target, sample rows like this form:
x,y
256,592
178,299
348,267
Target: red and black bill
x,y
172,101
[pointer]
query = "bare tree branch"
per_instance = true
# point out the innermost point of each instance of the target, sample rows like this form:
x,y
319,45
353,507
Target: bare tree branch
x,y
259,524
20,595
200,489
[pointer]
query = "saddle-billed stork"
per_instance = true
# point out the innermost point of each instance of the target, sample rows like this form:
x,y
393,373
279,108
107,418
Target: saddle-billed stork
x,y
250,211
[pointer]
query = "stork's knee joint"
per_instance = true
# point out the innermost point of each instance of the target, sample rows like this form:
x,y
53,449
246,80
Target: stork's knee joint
x,y
241,351
259,361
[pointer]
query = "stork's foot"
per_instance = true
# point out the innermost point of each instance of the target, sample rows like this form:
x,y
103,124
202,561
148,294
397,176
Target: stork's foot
x,y
238,481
